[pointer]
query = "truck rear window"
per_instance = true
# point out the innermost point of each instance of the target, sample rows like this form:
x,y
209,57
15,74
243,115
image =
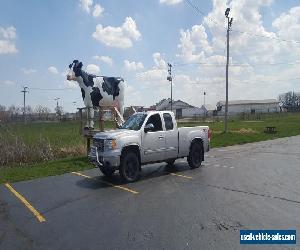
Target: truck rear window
x,y
168,121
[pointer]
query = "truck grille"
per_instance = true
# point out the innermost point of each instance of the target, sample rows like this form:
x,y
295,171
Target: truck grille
x,y
99,143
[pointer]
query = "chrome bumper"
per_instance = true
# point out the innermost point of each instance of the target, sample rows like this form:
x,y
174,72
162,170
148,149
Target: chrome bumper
x,y
106,159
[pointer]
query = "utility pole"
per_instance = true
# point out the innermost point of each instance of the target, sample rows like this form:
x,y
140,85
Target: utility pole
x,y
56,99
169,78
24,102
204,108
229,23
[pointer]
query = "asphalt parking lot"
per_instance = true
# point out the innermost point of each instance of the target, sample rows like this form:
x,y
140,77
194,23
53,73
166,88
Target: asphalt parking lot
x,y
251,186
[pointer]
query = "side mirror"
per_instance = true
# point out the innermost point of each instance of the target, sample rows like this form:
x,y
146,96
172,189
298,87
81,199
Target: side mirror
x,y
149,127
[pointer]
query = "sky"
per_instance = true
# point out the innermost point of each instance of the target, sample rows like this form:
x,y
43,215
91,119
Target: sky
x,y
136,39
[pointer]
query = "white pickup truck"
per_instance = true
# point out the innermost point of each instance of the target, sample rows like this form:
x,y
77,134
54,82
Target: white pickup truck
x,y
148,137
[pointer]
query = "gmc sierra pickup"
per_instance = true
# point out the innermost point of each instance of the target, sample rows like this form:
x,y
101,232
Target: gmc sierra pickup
x,y
148,137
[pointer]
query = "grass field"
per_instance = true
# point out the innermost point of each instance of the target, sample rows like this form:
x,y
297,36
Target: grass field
x,y
49,142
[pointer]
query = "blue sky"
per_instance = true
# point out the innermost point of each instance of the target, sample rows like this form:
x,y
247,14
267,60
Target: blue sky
x,y
48,34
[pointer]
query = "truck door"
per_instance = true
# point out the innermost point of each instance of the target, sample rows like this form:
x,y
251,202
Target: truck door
x,y
171,135
154,141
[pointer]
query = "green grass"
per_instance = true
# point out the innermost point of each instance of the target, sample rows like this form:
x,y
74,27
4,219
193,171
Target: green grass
x,y
287,124
66,134
57,167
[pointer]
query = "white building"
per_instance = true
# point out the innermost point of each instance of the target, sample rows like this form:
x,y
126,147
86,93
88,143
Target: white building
x,y
249,106
182,109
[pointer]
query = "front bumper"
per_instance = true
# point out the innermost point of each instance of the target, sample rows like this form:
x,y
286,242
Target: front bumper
x,y
105,159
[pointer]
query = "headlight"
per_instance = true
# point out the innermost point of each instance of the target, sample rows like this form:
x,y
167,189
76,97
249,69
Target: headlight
x,y
110,144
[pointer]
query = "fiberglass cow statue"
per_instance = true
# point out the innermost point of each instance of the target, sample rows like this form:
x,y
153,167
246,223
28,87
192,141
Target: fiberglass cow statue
x,y
97,90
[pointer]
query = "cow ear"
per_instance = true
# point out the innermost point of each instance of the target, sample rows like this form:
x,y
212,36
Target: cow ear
x,y
70,66
75,61
80,65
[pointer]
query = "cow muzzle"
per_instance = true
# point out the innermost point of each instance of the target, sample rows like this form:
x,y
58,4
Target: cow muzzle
x,y
69,78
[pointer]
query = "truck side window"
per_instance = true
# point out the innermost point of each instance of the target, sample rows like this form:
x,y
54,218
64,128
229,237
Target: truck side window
x,y
156,121
168,121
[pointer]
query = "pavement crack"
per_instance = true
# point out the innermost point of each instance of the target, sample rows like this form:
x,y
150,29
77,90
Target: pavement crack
x,y
62,204
252,193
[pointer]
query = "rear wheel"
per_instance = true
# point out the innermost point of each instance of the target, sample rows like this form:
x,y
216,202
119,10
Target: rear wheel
x,y
130,167
195,155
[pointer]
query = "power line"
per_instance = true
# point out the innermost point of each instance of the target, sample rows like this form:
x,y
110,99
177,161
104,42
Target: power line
x,y
238,65
257,35
196,8
51,89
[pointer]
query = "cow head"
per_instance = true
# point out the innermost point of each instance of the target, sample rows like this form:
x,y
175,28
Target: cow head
x,y
75,70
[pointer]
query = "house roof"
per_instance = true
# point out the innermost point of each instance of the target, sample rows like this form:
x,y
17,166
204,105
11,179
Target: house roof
x,y
245,102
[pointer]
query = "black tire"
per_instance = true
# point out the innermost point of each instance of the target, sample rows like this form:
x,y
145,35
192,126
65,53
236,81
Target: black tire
x,y
130,167
195,156
171,162
107,171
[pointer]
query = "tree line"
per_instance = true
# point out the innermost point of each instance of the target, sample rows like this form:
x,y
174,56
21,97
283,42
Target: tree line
x,y
290,101
41,112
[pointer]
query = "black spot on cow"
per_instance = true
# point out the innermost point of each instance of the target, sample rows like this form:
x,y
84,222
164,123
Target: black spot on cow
x,y
96,96
82,93
111,85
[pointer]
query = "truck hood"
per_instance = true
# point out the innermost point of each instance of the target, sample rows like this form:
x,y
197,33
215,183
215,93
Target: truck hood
x,y
113,134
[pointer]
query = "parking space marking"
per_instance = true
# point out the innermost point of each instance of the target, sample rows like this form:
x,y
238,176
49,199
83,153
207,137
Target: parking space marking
x,y
26,203
107,183
180,175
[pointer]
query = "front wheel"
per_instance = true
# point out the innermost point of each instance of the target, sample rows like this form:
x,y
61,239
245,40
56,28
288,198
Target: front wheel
x,y
195,155
107,171
130,167
171,162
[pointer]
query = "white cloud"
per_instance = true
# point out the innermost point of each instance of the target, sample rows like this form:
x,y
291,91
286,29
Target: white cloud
x,y
7,40
98,10
86,5
170,2
28,71
106,59
93,69
119,37
8,33
53,70
133,66
9,82
203,48
288,24
157,75
71,84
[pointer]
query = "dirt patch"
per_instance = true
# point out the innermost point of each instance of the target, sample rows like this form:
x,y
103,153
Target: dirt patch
x,y
245,131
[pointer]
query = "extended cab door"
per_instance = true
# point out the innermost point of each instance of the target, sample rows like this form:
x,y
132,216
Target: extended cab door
x,y
171,135
153,142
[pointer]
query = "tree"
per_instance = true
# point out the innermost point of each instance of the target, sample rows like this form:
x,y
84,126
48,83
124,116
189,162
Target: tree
x,y
12,109
2,108
290,101
43,112
59,110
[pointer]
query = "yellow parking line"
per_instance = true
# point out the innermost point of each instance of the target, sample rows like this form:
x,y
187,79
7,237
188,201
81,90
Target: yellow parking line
x,y
107,183
26,203
180,175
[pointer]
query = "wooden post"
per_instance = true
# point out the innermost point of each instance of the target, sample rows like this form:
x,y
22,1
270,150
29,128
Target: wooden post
x,y
101,119
88,144
80,113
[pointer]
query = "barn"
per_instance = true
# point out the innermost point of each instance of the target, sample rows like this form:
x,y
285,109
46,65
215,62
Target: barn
x,y
249,106
181,109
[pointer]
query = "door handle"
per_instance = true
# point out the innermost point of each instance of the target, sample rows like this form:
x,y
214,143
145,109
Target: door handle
x,y
160,137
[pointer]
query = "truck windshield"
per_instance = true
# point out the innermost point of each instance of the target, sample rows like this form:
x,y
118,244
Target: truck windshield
x,y
134,122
